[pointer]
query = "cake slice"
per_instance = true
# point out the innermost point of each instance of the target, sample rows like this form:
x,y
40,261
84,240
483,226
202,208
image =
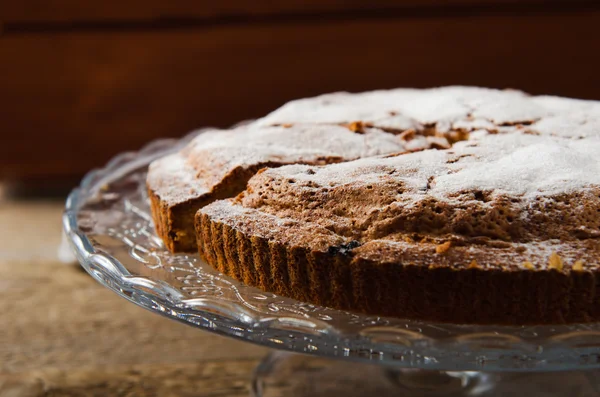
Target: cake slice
x,y
217,164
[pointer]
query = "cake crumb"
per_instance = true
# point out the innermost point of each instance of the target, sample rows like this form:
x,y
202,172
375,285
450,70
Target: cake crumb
x,y
555,262
578,266
408,135
439,143
287,125
528,265
407,239
442,248
473,264
357,126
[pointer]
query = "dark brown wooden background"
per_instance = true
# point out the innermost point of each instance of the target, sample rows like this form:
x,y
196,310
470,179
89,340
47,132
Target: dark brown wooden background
x,y
81,81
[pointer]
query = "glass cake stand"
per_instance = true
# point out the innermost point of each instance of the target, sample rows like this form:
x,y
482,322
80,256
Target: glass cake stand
x,y
108,226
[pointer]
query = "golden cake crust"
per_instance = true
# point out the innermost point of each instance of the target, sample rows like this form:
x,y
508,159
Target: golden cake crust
x,y
388,282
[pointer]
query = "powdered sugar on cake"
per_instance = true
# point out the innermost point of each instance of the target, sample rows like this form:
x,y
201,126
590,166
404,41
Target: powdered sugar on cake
x,y
513,164
526,165
307,130
412,108
211,157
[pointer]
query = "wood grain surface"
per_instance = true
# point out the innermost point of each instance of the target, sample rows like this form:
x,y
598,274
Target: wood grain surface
x,y
63,334
71,100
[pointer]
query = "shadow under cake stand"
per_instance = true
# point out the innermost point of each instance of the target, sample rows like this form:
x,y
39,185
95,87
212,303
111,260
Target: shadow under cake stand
x,y
108,225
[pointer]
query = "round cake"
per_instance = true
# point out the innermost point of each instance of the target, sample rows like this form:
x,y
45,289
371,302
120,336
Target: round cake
x,y
453,204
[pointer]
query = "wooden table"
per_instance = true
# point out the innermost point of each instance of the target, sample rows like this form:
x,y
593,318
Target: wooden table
x,y
63,334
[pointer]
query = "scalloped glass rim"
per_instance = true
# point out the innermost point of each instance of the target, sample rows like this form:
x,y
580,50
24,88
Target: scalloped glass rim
x,y
285,324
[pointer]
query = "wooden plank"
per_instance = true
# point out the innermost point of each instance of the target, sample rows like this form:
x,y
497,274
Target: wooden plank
x,y
69,10
71,101
231,378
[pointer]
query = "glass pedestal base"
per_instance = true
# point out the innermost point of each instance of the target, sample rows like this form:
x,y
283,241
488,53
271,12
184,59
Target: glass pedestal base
x,y
288,374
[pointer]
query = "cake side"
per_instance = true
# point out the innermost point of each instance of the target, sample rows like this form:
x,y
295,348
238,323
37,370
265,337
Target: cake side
x,y
325,270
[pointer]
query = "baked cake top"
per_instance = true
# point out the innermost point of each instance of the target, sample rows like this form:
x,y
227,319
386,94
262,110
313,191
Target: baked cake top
x,y
501,176
446,108
342,126
519,186
517,191
219,157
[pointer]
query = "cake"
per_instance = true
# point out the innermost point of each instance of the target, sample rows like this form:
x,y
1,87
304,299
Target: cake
x,y
457,204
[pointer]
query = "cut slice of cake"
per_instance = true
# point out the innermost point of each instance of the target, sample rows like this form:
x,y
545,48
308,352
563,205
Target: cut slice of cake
x,y
217,164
